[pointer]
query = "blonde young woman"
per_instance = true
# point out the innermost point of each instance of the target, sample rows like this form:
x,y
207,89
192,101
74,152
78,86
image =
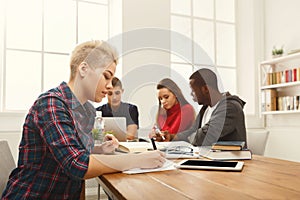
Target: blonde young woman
x,y
55,153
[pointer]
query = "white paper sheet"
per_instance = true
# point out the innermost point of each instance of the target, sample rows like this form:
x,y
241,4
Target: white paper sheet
x,y
168,165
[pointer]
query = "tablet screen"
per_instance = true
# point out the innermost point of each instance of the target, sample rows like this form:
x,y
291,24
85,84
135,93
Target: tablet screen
x,y
209,163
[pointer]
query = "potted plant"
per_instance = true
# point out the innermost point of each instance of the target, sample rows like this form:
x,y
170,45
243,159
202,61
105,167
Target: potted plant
x,y
277,52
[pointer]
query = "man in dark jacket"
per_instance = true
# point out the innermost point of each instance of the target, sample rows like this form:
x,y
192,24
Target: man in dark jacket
x,y
221,117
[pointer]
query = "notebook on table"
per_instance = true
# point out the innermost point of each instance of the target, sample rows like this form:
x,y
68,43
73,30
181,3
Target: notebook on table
x,y
117,125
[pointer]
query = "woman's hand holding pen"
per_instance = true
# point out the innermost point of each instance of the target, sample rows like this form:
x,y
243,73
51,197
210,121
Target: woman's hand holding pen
x,y
150,159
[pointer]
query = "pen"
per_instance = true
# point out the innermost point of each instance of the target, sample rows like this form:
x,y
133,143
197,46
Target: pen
x,y
159,132
153,144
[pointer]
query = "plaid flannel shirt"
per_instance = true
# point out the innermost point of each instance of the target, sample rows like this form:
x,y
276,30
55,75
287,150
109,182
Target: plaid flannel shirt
x,y
54,149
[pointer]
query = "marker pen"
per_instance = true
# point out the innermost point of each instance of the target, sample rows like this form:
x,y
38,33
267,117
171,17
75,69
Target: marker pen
x,y
153,144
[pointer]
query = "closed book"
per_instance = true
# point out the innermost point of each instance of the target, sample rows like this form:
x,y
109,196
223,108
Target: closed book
x,y
228,155
282,73
280,103
134,147
270,78
278,77
290,75
274,78
228,145
270,99
294,74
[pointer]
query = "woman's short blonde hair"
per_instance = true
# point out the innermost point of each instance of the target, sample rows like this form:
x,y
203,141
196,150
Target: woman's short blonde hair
x,y
95,53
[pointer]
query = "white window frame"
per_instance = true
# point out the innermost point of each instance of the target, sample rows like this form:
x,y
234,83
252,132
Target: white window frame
x,y
194,65
3,48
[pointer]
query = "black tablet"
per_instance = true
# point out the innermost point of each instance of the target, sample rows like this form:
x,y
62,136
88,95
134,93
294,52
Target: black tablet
x,y
211,165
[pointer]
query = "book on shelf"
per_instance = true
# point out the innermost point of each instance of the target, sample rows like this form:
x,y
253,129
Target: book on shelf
x,y
244,154
278,77
228,145
285,103
286,76
270,99
294,77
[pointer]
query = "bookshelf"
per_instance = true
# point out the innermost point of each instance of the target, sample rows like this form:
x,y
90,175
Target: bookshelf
x,y
280,85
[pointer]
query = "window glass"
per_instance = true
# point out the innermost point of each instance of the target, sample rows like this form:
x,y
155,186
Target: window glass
x,y
203,8
24,24
225,10
59,32
181,42
39,35
98,1
92,22
211,27
226,53
22,86
56,70
204,38
181,7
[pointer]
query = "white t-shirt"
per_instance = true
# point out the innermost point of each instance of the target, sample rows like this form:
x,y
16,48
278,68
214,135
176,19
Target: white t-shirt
x,y
207,114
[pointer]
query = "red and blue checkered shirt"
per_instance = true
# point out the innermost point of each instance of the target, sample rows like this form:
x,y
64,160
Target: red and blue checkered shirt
x,y
55,148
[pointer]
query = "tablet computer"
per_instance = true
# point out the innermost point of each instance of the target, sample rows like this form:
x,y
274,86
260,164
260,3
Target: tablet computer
x,y
211,165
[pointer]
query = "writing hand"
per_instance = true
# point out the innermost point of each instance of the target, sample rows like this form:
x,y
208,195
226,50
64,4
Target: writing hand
x,y
151,159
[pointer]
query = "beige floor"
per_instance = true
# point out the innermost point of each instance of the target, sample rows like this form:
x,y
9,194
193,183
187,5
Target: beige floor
x,y
95,197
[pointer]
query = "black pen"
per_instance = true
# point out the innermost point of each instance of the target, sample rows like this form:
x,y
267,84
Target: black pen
x,y
153,144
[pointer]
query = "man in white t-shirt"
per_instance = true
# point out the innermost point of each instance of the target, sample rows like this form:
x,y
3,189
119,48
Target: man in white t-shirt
x,y
221,117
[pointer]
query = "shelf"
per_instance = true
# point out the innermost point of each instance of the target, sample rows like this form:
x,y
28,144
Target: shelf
x,y
280,112
290,84
284,90
281,59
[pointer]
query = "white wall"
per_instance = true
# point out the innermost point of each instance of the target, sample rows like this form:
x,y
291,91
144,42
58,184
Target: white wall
x,y
282,28
250,51
143,51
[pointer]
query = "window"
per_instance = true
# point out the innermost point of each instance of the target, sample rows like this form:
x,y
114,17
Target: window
x,y
37,37
210,27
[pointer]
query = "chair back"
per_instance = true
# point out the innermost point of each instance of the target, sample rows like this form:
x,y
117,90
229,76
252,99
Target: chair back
x,y
7,164
257,140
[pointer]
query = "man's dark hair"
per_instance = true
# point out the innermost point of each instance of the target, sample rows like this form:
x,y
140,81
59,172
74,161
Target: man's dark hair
x,y
116,82
205,76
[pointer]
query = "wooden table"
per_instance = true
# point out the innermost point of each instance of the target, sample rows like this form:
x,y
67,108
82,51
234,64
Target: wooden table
x,y
261,178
